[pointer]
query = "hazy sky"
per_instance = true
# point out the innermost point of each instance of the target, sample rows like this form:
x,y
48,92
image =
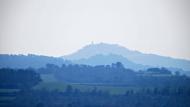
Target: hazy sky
x,y
59,27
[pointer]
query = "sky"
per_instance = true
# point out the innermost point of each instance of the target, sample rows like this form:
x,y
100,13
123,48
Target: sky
x,y
60,27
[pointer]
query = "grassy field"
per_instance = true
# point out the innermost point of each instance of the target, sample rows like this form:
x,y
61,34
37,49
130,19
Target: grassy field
x,y
61,86
50,83
6,96
8,90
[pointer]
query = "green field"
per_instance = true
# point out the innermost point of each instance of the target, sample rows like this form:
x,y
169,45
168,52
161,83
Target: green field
x,y
49,82
8,90
60,86
6,99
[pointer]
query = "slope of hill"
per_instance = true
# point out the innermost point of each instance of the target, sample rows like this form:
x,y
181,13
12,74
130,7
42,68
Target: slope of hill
x,y
25,61
108,60
134,56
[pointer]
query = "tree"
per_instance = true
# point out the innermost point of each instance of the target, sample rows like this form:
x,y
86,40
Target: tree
x,y
177,73
19,78
119,65
69,89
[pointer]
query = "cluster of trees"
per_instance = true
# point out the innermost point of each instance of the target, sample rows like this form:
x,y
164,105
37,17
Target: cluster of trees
x,y
115,74
159,71
157,97
15,81
150,91
18,78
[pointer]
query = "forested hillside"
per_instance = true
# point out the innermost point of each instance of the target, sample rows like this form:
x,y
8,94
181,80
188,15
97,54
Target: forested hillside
x,y
25,61
115,74
155,87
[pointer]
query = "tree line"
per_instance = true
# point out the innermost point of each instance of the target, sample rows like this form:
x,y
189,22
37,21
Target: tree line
x,y
153,91
115,74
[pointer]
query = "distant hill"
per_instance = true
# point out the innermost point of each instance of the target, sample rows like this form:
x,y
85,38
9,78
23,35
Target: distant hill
x,y
108,60
25,61
134,56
